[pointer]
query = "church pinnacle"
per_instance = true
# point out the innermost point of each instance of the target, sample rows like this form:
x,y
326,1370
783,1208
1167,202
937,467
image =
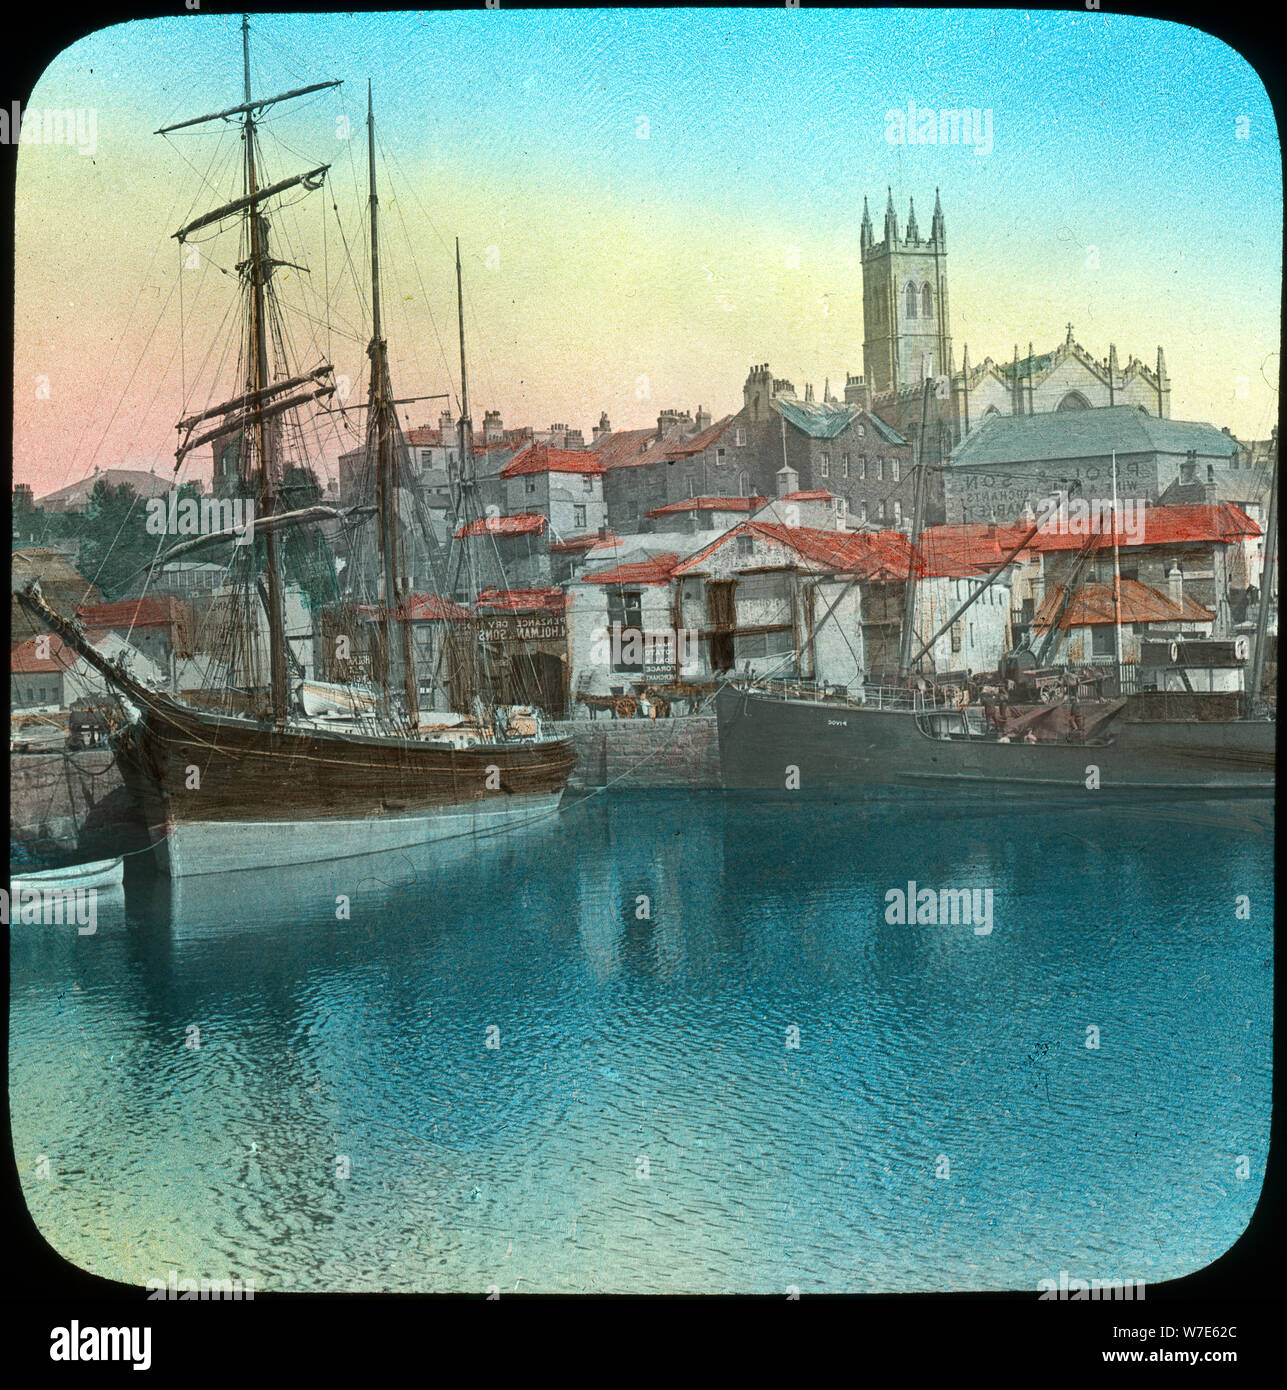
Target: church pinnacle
x,y
891,221
913,231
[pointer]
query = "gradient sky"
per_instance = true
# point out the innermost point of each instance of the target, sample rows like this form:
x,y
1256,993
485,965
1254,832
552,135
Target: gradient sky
x,y
599,265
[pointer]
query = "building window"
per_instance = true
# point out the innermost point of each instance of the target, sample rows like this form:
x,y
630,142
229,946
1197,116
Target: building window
x,y
862,431
740,438
824,466
862,512
625,612
956,637
893,470
531,485
927,304
910,297
844,466
880,470
898,513
862,468
587,484
745,545
1101,640
578,516
719,456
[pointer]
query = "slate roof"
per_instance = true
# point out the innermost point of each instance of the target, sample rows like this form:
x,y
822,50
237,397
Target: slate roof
x,y
1094,433
820,420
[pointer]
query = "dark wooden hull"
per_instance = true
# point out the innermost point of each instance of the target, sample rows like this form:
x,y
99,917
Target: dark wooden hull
x,y
222,793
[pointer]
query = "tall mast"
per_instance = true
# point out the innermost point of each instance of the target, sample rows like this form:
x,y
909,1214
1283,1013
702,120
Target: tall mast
x,y
1268,569
258,383
1117,586
909,595
466,451
378,420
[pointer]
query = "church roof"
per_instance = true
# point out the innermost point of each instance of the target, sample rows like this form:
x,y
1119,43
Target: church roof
x,y
1093,433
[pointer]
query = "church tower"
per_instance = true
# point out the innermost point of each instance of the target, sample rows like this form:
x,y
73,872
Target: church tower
x,y
907,334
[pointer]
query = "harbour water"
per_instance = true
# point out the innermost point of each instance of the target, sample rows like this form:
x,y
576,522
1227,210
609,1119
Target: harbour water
x,y
666,1042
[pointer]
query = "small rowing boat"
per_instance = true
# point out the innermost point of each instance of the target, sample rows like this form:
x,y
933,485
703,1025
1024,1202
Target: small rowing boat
x,y
97,873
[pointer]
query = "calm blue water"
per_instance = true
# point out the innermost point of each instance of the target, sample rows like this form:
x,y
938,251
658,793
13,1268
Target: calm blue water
x,y
643,1124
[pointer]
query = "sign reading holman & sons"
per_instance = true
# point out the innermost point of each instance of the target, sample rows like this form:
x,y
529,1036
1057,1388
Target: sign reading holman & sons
x,y
524,627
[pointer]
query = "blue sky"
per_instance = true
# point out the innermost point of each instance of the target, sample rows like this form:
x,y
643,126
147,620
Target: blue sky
x,y
1117,195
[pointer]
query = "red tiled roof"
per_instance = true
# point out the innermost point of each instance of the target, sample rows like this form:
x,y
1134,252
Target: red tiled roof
x,y
874,555
654,571
698,443
622,447
591,540
540,458
1220,523
434,608
818,495
495,600
945,554
522,524
649,449
424,438
153,610
24,661
710,504
1092,604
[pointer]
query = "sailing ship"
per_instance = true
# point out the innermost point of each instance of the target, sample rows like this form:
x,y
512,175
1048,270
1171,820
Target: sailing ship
x,y
1036,733
255,780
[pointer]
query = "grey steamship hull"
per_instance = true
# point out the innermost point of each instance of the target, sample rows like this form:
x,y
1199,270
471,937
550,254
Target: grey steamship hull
x,y
837,748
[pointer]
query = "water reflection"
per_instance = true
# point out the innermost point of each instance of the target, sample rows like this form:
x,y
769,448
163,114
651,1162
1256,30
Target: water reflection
x,y
567,1060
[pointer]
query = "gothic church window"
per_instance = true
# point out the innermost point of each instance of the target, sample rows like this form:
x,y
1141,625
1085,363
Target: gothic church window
x,y
927,304
911,297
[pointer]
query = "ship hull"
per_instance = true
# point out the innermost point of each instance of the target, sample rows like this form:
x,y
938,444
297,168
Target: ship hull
x,y
188,849
220,794
802,745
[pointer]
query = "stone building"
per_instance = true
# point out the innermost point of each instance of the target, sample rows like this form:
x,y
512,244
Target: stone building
x,y
1010,463
563,485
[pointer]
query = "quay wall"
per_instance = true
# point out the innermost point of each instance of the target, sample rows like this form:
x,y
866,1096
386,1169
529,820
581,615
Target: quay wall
x,y
71,800
679,752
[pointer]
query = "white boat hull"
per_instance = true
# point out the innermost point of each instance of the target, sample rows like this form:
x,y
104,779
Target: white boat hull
x,y
100,873
193,848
